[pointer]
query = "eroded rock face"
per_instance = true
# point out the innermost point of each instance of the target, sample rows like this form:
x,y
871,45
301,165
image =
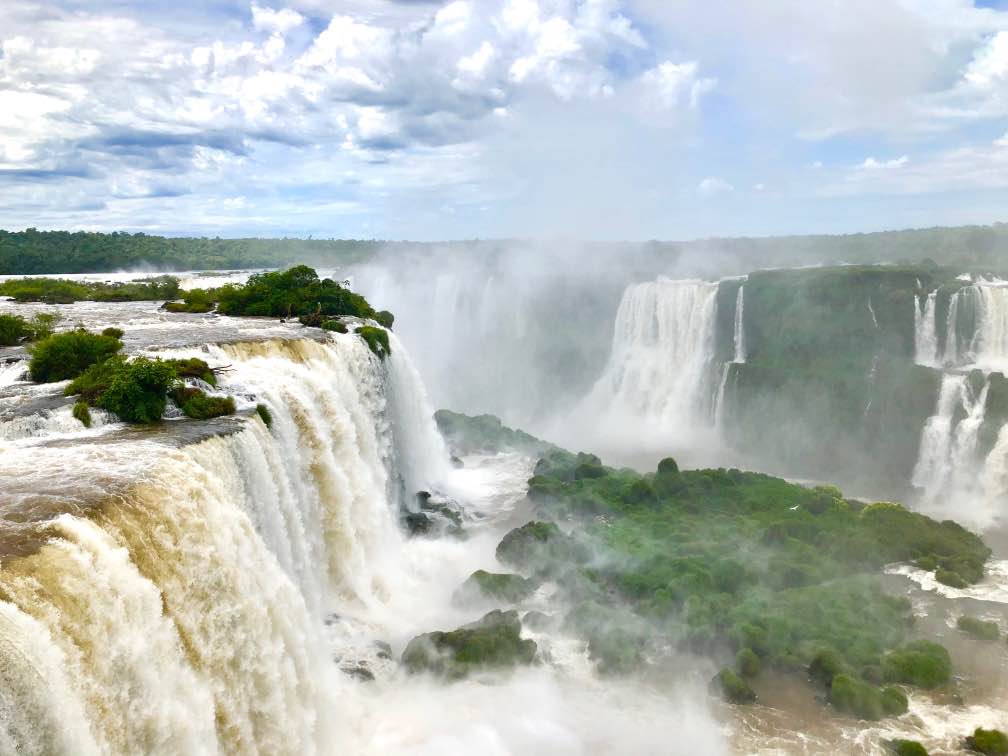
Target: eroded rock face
x,y
492,642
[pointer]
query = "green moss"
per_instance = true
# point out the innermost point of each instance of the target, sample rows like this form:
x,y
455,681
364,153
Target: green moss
x,y
921,663
979,629
265,415
377,340
502,587
334,325
82,412
534,543
493,642
732,688
68,354
988,742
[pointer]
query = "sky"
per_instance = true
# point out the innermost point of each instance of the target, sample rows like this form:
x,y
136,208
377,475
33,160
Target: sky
x,y
427,120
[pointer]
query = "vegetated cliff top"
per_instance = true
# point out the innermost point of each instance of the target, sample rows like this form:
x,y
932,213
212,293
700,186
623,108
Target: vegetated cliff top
x,y
34,251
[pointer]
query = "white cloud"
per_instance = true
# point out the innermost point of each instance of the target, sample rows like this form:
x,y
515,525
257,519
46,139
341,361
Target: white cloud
x,y
871,164
672,84
713,186
275,21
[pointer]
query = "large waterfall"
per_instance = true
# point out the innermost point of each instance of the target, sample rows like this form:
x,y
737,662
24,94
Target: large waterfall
x,y
178,607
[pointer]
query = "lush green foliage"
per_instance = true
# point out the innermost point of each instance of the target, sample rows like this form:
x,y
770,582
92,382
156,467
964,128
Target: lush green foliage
x,y
136,390
62,291
377,340
68,354
198,405
291,293
13,328
732,688
194,368
492,642
484,434
979,629
728,562
337,326
82,412
488,585
385,318
988,742
194,300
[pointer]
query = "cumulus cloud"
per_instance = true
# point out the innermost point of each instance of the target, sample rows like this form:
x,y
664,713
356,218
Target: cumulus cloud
x,y
277,21
713,186
871,164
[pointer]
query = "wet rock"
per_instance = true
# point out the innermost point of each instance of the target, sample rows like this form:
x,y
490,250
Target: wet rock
x,y
483,585
359,671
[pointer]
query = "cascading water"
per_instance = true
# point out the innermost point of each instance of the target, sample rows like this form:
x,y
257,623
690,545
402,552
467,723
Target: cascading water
x,y
739,330
662,353
926,331
992,326
183,613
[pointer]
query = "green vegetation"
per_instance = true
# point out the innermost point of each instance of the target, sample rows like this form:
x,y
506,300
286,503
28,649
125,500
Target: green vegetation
x,y
334,325
265,415
906,748
82,412
385,318
979,629
61,291
377,340
194,368
68,354
198,405
484,434
297,292
194,300
727,562
13,329
502,587
492,642
135,390
732,688
988,742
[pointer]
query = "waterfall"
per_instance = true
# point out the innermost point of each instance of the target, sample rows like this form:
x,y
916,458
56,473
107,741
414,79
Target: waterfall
x,y
740,342
181,609
926,331
662,352
992,326
952,351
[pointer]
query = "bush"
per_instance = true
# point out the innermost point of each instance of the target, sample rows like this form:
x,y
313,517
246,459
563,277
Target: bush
x,y
291,293
747,663
950,578
384,318
979,629
195,300
194,368
265,415
906,748
732,688
921,663
82,412
824,666
115,333
988,742
334,325
43,325
136,390
377,340
894,701
67,355
199,405
13,328
853,696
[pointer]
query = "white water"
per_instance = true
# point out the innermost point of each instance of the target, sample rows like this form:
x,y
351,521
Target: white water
x,y
926,331
739,331
992,330
662,355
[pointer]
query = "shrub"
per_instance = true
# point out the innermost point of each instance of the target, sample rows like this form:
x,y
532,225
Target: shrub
x,y
291,293
334,325
384,318
265,415
988,742
950,578
732,688
853,696
67,355
194,368
94,382
921,663
906,748
377,340
979,629
82,412
747,663
136,392
826,665
194,300
894,701
43,325
13,328
199,405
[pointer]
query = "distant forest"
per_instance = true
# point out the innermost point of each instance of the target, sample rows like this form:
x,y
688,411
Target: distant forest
x,y
33,251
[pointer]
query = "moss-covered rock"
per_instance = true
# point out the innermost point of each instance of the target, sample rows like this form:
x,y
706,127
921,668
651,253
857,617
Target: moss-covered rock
x,y
988,742
199,405
337,326
856,697
482,585
82,412
377,340
894,701
906,748
921,663
492,642
978,628
732,688
485,434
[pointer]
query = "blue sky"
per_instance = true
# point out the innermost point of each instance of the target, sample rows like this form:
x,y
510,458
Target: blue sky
x,y
609,119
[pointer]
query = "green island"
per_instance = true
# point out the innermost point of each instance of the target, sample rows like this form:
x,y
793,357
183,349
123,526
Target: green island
x,y
749,570
62,291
